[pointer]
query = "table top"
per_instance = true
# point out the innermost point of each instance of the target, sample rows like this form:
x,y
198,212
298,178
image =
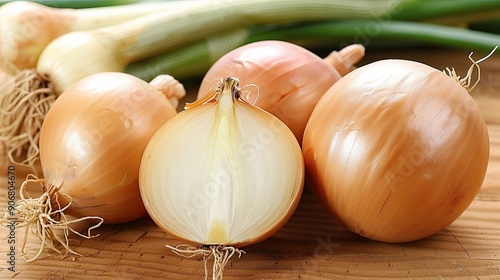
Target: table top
x,y
310,245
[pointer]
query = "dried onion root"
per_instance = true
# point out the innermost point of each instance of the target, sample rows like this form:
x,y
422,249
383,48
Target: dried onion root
x,y
44,218
465,82
24,101
221,254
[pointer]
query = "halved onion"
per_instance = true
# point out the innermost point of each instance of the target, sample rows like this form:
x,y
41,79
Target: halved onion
x,y
221,174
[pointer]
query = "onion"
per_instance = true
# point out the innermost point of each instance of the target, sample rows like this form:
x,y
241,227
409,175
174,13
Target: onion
x,y
397,150
91,144
289,78
236,179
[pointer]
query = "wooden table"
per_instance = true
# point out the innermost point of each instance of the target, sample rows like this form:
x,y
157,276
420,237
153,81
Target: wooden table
x,y
311,245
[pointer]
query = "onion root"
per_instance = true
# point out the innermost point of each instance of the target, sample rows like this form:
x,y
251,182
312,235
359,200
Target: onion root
x,y
220,253
24,101
44,218
465,82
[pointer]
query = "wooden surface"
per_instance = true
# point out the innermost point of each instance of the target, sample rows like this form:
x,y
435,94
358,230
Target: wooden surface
x,y
311,245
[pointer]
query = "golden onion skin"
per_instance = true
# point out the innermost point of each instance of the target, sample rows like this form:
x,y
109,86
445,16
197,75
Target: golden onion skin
x,y
396,150
92,141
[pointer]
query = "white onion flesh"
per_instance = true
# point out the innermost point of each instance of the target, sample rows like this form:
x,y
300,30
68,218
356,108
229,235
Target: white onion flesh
x,y
222,172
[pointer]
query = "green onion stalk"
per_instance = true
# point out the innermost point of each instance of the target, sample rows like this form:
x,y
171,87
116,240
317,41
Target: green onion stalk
x,y
77,4
195,59
446,11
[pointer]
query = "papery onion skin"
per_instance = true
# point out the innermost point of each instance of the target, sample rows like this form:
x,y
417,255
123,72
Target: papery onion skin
x,y
225,153
92,140
290,79
396,150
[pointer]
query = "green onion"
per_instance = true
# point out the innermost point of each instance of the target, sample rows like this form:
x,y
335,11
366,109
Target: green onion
x,y
78,3
26,28
363,32
447,11
196,58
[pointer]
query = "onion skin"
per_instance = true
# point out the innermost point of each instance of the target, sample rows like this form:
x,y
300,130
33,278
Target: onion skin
x,y
92,141
396,150
290,79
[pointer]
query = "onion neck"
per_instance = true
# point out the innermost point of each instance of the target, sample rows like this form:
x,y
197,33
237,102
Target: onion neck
x,y
229,91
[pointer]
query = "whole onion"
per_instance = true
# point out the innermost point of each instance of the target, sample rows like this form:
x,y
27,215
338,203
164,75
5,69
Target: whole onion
x,y
396,150
289,79
91,144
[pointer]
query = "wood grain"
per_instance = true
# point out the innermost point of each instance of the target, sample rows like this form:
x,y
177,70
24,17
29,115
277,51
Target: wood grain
x,y
311,245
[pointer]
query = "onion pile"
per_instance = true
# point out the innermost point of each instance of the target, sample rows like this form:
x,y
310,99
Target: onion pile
x,y
397,150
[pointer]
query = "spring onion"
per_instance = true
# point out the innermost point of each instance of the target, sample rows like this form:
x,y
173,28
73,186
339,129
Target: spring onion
x,y
26,28
196,58
77,4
